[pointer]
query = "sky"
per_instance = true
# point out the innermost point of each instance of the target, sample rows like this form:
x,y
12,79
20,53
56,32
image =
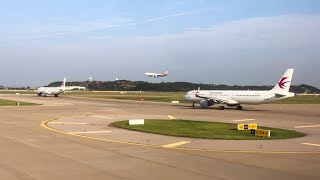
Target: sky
x,y
234,42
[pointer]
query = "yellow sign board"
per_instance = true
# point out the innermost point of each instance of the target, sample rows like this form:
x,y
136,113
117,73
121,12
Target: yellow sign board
x,y
247,126
260,132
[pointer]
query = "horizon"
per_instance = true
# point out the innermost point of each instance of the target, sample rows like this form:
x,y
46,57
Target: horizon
x,y
155,83
226,42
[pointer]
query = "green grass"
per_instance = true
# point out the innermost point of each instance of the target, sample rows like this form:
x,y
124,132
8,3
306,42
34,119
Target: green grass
x,y
4,102
16,91
204,130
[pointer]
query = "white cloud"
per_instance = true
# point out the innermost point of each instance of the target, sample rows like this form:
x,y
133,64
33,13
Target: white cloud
x,y
160,18
287,31
40,31
230,52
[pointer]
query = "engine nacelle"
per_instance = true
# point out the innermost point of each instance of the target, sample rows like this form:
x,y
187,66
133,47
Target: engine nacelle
x,y
205,103
232,103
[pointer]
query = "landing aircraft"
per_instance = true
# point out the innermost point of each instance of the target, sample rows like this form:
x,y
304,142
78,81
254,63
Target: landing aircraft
x,y
230,98
156,75
45,91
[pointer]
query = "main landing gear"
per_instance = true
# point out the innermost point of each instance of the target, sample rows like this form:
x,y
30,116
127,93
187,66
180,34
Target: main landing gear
x,y
239,107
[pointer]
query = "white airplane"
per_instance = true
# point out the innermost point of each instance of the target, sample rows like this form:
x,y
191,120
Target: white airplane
x,y
45,91
208,98
156,75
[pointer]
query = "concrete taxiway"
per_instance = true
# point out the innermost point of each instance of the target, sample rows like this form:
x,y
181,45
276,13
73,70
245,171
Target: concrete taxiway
x,y
84,146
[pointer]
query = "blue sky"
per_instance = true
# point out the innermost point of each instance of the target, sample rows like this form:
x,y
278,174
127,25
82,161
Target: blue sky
x,y
228,42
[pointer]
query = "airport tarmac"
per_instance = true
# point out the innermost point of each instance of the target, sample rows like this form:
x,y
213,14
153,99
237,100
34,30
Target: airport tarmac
x,y
86,147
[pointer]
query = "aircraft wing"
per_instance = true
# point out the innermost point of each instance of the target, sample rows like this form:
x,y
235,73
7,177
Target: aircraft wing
x,y
224,101
218,100
47,92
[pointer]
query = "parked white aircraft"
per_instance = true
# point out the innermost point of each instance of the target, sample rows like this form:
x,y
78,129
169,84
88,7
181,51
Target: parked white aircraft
x,y
156,75
208,98
45,91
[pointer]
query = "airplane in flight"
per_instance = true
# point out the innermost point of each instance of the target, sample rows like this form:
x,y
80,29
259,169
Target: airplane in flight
x,y
156,75
231,98
45,91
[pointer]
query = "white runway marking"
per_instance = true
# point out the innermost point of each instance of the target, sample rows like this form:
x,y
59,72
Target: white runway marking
x,y
310,144
171,117
90,132
105,117
66,123
241,120
62,103
311,126
176,144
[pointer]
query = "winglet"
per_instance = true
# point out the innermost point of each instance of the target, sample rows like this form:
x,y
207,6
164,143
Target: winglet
x,y
198,91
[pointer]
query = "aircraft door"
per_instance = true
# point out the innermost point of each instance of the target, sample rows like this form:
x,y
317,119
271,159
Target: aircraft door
x,y
233,96
266,96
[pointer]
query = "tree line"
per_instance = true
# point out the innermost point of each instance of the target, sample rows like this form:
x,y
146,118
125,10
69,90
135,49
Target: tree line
x,y
125,85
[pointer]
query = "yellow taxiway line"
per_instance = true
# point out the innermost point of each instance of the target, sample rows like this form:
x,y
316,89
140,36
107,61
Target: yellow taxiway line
x,y
176,144
44,125
310,144
241,120
90,132
311,126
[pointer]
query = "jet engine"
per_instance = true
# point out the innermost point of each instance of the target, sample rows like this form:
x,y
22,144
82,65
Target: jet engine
x,y
232,103
205,103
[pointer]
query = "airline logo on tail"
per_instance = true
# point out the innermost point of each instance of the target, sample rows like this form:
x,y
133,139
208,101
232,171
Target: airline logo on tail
x,y
282,82
165,73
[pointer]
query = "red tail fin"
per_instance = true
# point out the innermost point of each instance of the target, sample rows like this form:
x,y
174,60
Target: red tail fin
x,y
165,73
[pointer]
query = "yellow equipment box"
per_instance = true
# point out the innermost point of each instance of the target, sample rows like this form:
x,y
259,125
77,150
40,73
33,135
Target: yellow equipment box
x,y
247,126
260,132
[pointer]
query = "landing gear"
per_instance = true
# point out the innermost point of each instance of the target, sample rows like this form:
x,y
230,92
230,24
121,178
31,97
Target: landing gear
x,y
221,107
239,107
56,95
193,104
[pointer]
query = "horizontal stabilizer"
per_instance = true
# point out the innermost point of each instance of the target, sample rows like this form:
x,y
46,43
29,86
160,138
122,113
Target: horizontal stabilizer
x,y
280,95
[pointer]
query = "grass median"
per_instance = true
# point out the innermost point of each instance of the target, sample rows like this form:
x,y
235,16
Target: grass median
x,y
204,130
4,102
